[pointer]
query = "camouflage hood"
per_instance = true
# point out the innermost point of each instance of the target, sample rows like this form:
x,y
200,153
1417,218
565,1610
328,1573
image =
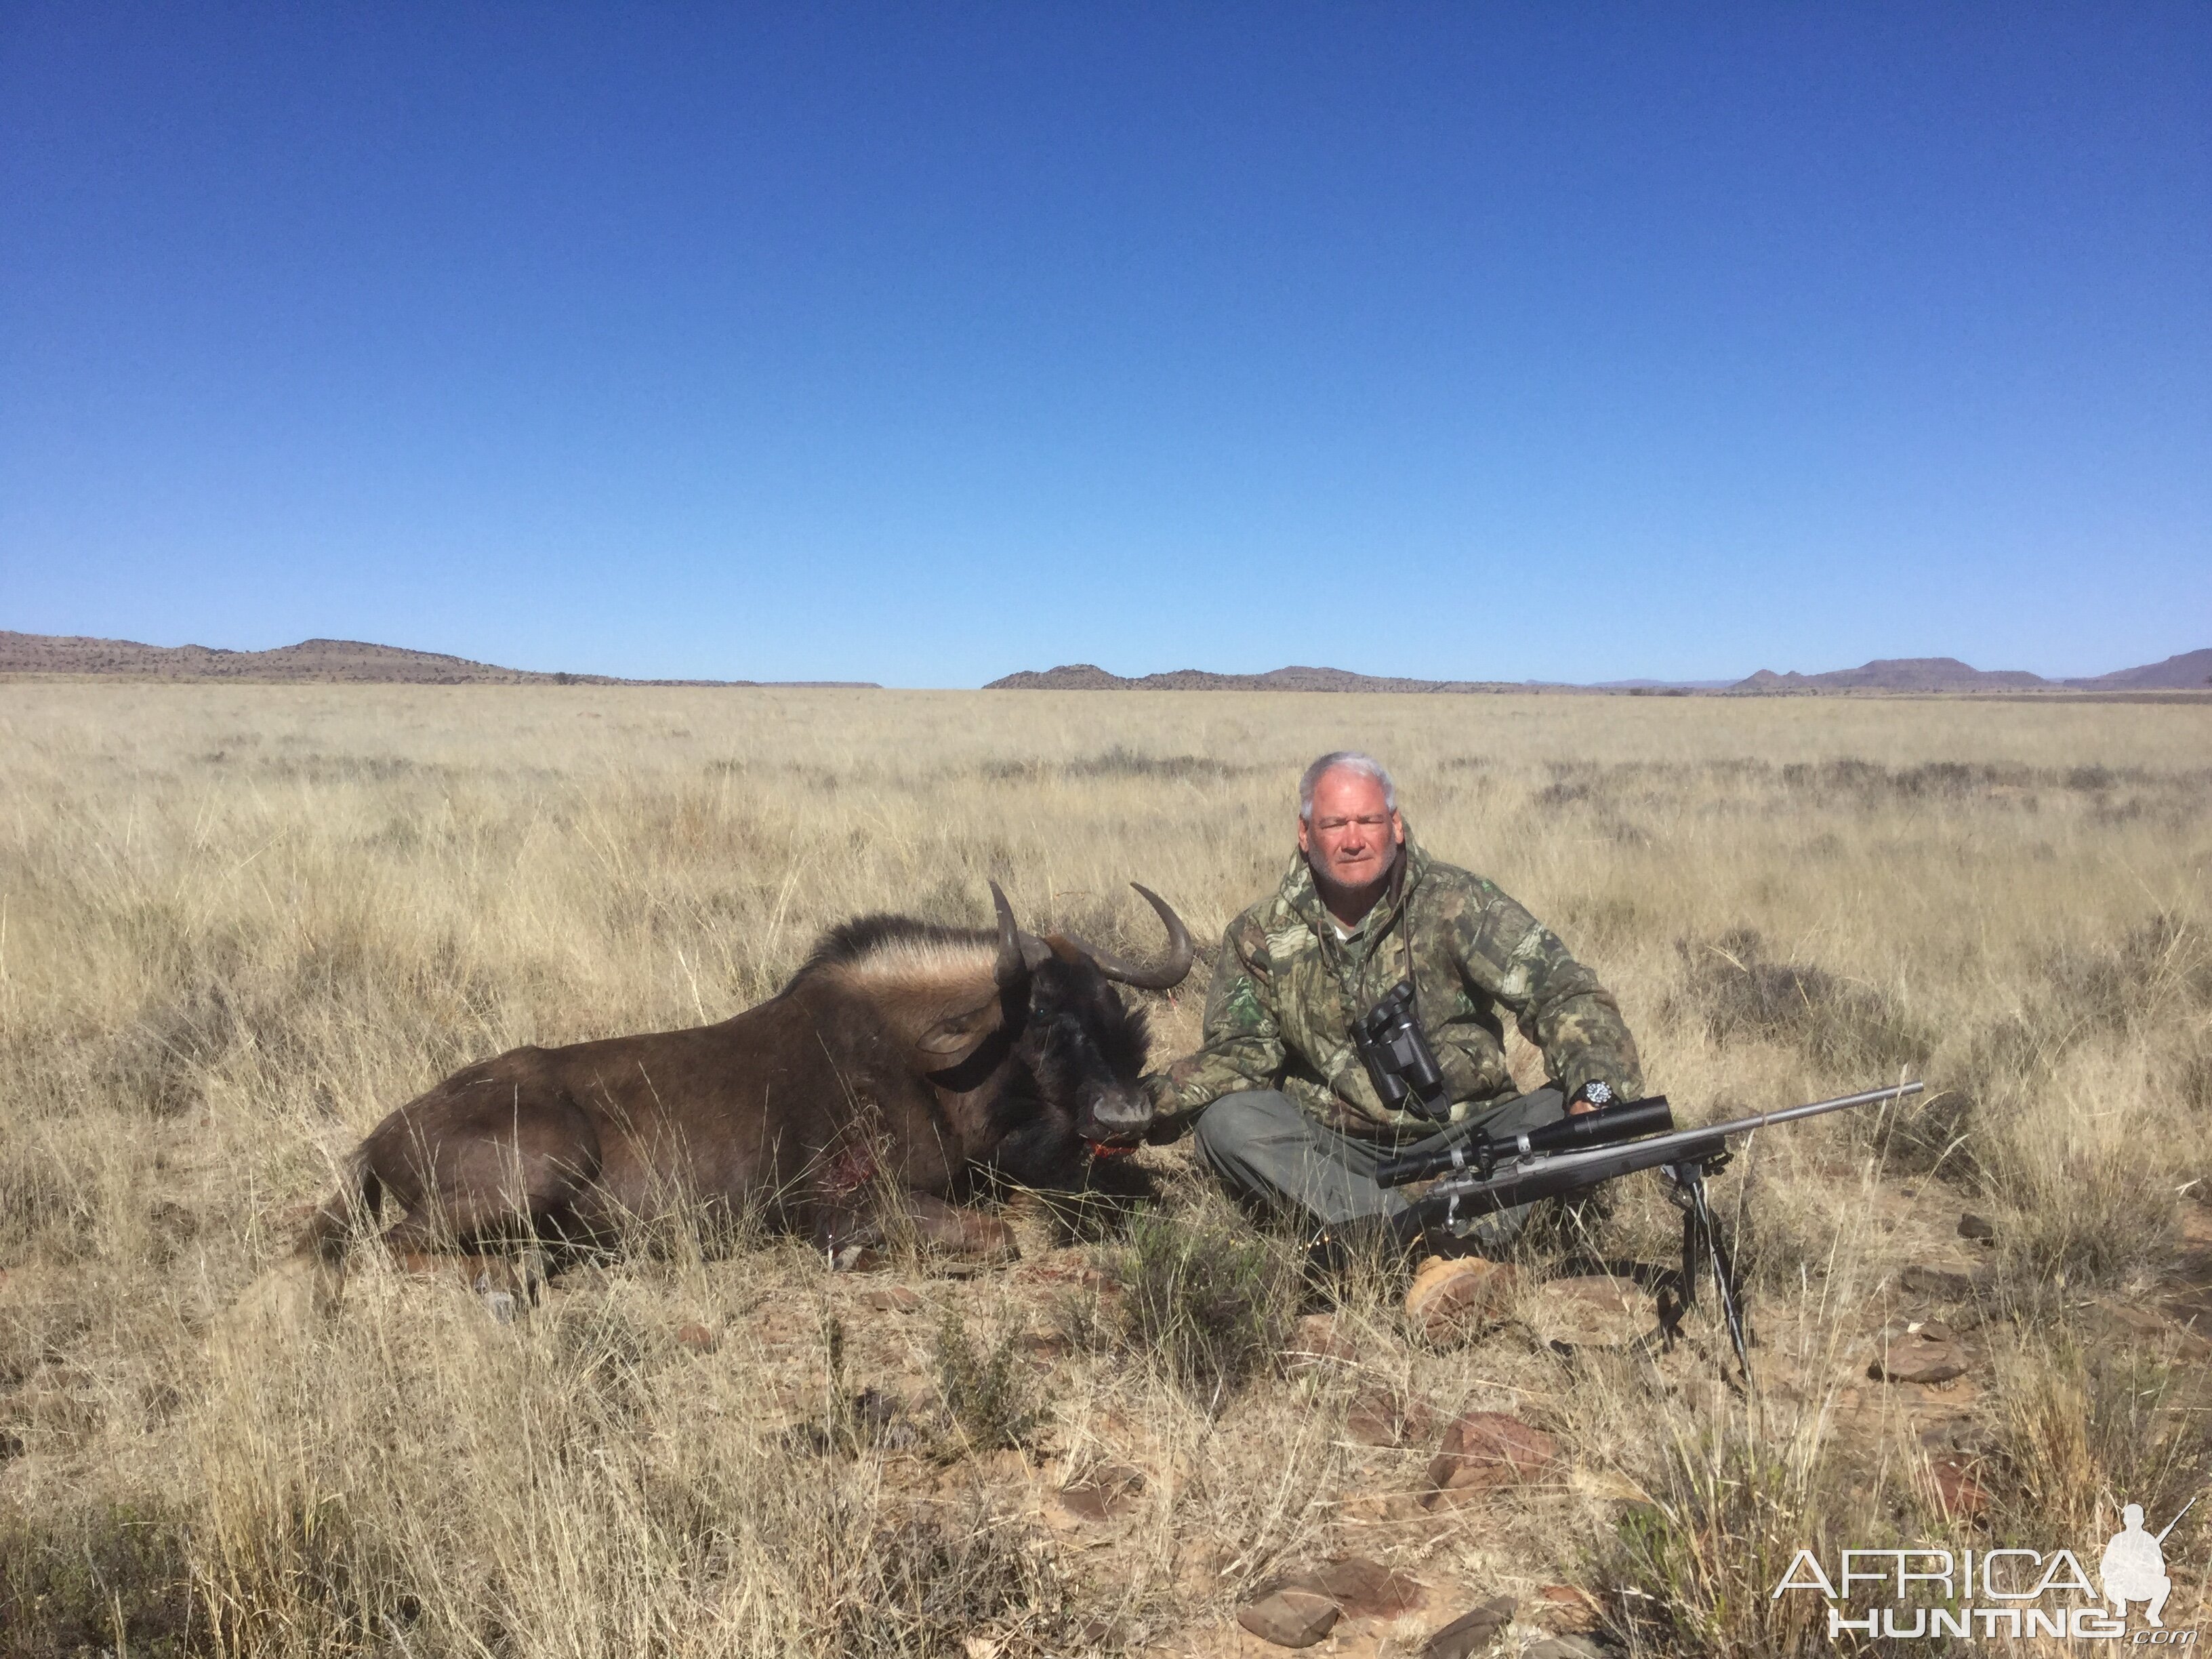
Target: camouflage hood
x,y
1289,983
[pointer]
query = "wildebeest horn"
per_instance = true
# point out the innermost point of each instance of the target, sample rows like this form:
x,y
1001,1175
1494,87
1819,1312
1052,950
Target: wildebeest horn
x,y
1169,972
1014,967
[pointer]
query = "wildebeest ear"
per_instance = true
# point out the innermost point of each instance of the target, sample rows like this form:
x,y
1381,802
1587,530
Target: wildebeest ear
x,y
951,1034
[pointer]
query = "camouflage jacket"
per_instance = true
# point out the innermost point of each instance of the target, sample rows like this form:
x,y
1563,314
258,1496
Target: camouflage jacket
x,y
1287,987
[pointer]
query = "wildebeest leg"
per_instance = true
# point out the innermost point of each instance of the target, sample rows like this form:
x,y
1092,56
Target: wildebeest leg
x,y
963,1232
505,1173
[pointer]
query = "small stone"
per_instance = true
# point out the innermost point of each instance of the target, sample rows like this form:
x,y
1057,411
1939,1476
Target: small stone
x,y
1362,1588
1290,1618
1909,1359
1566,1647
1109,1490
1941,1283
697,1337
1383,1418
1958,1491
1564,1607
1979,1228
891,1299
1488,1450
1315,1342
1934,1330
1452,1299
1470,1633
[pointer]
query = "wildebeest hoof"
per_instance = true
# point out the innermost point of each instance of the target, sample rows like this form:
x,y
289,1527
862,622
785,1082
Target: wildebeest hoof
x,y
500,1305
533,1270
855,1259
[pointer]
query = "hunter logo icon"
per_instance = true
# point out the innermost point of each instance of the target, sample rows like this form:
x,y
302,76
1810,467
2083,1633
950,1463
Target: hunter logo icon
x,y
2133,1568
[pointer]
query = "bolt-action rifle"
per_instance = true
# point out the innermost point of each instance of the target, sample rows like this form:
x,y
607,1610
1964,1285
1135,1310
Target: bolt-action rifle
x,y
1478,1173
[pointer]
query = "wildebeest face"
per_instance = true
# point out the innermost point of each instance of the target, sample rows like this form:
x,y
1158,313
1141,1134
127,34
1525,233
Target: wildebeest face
x,y
1087,1051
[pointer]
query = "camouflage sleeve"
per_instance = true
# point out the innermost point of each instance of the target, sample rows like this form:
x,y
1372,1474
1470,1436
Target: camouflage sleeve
x,y
1241,1046
1557,1003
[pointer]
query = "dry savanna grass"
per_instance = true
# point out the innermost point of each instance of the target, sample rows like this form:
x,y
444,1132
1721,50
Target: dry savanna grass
x,y
238,924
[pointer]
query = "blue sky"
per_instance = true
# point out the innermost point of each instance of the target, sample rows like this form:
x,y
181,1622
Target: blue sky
x,y
922,343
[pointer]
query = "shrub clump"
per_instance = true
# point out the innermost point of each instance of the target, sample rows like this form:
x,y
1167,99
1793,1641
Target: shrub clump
x,y
1689,1572
1211,1305
113,1579
987,1393
2081,1429
941,1585
1736,991
2156,969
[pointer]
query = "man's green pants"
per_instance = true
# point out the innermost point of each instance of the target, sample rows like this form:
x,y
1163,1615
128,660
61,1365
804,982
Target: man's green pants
x,y
1270,1153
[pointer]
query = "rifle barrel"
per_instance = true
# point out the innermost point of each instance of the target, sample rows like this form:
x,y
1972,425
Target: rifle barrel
x,y
2176,1521
1790,1114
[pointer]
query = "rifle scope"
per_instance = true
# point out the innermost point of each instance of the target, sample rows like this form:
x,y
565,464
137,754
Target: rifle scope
x,y
1631,1120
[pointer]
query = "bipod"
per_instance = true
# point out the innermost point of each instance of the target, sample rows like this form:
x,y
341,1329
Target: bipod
x,y
1704,1251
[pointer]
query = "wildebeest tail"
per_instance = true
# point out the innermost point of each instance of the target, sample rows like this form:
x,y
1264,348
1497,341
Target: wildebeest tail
x,y
331,1228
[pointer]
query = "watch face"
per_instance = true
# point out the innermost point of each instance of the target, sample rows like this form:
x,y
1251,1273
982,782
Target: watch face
x,y
1598,1094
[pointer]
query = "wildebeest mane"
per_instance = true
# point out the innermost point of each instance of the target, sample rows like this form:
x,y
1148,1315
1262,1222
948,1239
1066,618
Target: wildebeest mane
x,y
881,947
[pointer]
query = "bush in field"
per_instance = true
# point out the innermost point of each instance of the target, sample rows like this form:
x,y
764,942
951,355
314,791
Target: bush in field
x,y
1689,1571
110,1579
1847,1030
943,1586
2081,1429
1212,1304
986,1392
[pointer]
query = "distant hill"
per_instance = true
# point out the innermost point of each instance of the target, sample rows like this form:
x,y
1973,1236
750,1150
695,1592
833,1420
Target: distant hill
x,y
309,662
1088,677
2192,670
1897,674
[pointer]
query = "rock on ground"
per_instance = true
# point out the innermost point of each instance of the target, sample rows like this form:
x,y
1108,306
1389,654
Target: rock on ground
x,y
1486,1449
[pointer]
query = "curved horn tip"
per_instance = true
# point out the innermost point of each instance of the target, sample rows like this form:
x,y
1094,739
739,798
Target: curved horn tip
x,y
1168,974
1012,966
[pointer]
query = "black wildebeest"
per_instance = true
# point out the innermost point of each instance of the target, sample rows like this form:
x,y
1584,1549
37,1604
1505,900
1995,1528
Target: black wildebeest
x,y
901,1058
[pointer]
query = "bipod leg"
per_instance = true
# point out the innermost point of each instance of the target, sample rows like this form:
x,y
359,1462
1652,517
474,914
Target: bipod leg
x,y
1698,1226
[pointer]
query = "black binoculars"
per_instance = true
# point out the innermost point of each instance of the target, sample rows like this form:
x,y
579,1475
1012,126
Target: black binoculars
x,y
1399,1059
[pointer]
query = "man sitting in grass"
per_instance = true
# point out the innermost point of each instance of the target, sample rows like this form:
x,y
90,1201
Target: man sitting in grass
x,y
1284,1111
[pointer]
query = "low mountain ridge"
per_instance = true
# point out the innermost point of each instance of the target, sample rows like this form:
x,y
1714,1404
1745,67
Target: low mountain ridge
x,y
2190,669
1089,676
324,662
1897,674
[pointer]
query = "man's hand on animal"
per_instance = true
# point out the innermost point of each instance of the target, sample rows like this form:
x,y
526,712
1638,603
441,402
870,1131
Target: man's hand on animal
x,y
1284,1108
